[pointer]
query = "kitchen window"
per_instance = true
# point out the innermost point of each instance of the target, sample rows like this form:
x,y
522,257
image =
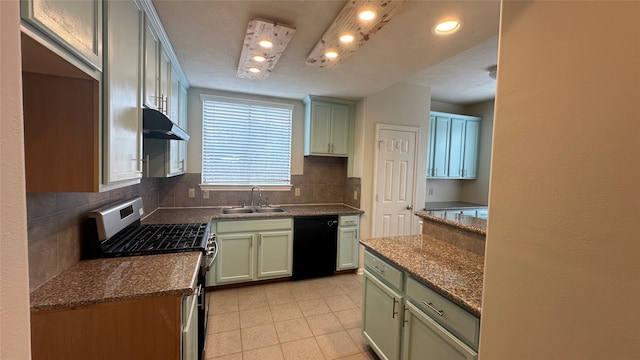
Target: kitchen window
x,y
245,143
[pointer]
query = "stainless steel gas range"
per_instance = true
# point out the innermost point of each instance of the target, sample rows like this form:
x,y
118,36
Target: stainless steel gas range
x,y
117,231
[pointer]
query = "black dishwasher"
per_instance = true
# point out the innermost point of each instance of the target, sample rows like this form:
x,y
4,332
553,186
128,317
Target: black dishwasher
x,y
315,241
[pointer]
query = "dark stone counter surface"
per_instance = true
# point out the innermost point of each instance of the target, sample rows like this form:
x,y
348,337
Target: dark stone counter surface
x,y
451,205
454,273
116,279
206,214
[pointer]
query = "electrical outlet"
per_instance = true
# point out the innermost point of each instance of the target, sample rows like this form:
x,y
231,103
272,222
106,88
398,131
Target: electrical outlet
x,y
192,193
355,195
297,191
205,194
430,191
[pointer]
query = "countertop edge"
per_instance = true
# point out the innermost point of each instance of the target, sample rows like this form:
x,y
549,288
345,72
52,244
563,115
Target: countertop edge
x,y
86,303
210,213
424,214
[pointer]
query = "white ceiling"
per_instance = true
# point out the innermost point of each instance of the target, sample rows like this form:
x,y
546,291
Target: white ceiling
x,y
207,37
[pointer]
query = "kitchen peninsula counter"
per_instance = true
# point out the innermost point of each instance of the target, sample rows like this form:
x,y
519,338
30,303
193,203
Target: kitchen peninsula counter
x,y
116,279
206,214
453,272
455,219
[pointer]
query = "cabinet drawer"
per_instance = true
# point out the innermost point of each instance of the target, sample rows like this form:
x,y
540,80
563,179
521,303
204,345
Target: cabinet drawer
x,y
457,320
254,225
383,270
349,220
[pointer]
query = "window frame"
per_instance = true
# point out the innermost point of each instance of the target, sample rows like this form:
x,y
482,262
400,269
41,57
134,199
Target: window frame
x,y
242,187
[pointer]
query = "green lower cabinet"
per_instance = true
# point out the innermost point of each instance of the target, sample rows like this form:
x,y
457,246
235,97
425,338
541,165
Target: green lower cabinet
x,y
381,317
250,250
424,339
275,250
236,265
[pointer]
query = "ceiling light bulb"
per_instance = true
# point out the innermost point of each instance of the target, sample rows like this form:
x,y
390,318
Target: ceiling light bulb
x,y
367,15
254,70
265,44
331,54
346,38
259,58
448,27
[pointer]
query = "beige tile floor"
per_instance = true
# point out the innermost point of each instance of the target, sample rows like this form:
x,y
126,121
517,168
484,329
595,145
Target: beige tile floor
x,y
315,319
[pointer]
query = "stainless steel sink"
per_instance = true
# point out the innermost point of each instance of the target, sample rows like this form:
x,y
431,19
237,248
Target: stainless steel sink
x,y
251,210
269,209
237,211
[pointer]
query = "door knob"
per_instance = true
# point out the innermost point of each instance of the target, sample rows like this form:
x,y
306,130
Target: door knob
x,y
409,207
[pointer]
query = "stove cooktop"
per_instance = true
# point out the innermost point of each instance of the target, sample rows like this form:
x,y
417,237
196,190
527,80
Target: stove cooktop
x,y
156,239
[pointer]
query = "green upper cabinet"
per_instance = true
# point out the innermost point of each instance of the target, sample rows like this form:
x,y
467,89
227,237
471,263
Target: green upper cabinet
x,y
471,146
453,146
151,74
328,126
122,93
438,146
74,25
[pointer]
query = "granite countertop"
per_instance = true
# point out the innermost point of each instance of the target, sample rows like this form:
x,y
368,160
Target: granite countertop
x,y
455,219
451,205
454,273
115,279
206,214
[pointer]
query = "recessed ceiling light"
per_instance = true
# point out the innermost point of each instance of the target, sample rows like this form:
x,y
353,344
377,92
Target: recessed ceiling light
x,y
447,27
331,54
367,15
346,38
254,70
265,44
259,58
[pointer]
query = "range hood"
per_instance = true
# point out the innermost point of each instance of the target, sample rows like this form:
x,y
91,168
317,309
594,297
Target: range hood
x,y
156,125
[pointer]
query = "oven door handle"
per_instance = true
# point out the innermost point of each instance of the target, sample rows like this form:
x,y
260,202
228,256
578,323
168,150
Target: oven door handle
x,y
199,292
215,254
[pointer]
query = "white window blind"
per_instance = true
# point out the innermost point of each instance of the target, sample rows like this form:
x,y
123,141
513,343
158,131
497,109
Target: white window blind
x,y
245,142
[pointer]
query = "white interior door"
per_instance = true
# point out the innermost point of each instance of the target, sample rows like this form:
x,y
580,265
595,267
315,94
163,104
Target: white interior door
x,y
394,180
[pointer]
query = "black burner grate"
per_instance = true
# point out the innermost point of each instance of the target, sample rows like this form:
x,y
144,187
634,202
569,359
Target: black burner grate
x,y
156,238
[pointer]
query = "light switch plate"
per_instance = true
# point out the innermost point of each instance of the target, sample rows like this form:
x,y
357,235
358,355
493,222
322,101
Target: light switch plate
x,y
192,193
297,192
355,195
205,194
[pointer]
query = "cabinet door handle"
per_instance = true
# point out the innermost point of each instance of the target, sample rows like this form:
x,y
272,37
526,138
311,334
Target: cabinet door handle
x,y
381,272
394,312
404,315
146,164
430,306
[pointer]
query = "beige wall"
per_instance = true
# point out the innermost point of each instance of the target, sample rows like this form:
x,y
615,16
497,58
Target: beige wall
x,y
14,275
194,127
562,276
477,190
400,104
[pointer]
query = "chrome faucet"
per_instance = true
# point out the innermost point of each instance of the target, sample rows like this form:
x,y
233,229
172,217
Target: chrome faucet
x,y
259,194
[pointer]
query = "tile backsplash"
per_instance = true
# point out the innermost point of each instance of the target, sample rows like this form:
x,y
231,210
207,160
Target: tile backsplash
x,y
57,222
324,181
57,225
